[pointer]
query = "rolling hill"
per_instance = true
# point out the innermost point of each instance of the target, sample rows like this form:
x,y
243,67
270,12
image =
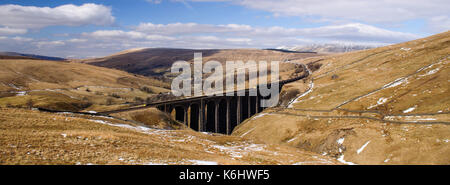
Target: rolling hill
x,y
70,86
387,105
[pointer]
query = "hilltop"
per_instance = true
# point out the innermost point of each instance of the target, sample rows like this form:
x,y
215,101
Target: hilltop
x,y
386,105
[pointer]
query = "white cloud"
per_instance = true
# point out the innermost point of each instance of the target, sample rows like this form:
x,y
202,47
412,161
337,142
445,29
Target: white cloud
x,y
239,40
203,36
49,44
344,14
439,23
76,40
357,32
12,31
16,44
387,12
123,35
32,17
22,39
154,1
115,34
348,32
5,41
359,10
190,28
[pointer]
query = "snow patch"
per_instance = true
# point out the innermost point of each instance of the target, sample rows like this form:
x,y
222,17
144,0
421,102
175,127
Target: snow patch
x,y
431,72
362,148
396,83
340,141
426,119
116,125
311,162
296,100
259,115
248,131
405,49
14,86
255,147
293,139
419,118
21,93
341,159
151,163
381,101
239,151
200,162
141,129
410,109
372,106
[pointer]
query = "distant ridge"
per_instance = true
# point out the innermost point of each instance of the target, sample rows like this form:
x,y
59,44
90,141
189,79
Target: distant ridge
x,y
156,62
289,51
32,56
326,48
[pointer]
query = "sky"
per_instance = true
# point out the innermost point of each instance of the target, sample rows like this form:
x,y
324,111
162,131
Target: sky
x,y
84,29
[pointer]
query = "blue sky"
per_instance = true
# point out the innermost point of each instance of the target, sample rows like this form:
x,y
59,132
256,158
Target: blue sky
x,y
78,29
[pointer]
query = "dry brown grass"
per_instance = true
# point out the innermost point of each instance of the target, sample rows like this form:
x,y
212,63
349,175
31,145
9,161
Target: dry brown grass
x,y
311,123
365,71
32,137
70,86
40,74
390,143
152,117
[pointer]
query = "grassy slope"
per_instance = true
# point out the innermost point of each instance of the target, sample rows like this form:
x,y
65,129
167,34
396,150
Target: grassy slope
x,y
32,137
62,85
373,89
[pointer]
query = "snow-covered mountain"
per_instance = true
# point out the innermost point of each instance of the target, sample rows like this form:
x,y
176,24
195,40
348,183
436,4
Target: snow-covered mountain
x,y
328,48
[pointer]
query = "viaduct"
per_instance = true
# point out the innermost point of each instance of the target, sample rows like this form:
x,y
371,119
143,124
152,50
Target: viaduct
x,y
218,114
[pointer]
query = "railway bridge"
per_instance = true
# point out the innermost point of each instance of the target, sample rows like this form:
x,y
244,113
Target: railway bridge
x,y
218,114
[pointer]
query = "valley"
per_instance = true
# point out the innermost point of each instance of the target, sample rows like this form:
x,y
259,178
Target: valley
x,y
386,105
